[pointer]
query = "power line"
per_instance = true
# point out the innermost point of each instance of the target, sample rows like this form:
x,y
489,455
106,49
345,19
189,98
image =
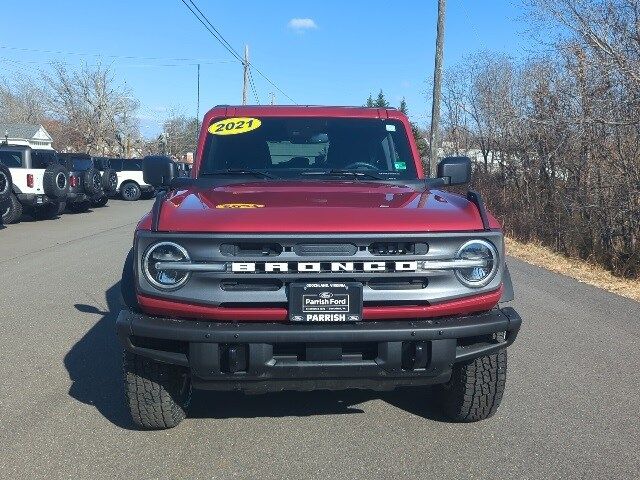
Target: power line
x,y
136,65
212,32
125,57
218,36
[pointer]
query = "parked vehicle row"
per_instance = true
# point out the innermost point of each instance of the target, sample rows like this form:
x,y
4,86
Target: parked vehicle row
x,y
43,183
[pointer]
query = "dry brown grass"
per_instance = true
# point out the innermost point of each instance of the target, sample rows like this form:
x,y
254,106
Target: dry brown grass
x,y
578,269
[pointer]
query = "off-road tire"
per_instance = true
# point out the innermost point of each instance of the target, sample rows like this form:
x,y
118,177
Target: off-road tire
x,y
55,181
475,389
11,210
157,393
130,191
92,182
49,211
79,207
109,181
99,202
6,184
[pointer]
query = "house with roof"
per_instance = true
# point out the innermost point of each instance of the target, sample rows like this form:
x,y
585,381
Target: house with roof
x,y
34,136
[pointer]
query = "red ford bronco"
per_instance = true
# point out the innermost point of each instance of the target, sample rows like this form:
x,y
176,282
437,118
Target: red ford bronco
x,y
308,251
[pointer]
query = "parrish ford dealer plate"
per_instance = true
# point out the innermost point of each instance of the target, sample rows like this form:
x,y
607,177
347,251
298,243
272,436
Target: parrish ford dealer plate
x,y
325,302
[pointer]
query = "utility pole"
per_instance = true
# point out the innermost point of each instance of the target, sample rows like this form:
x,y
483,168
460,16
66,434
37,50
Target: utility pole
x,y
245,83
198,106
272,95
198,95
437,90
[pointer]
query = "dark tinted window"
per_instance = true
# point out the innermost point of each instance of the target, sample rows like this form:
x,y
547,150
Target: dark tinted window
x,y
82,164
43,158
115,163
288,147
102,163
132,165
11,159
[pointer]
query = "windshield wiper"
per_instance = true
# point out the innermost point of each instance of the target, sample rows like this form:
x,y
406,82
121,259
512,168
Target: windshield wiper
x,y
239,171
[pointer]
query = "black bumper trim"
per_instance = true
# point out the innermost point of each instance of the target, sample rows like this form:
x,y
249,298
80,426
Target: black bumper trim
x,y
31,199
204,344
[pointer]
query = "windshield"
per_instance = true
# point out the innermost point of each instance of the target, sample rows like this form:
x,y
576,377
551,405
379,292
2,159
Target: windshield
x,y
291,147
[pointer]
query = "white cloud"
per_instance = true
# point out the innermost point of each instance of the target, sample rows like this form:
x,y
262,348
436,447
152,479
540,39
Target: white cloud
x,y
301,25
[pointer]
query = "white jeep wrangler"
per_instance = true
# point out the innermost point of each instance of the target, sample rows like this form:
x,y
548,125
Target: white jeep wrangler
x,y
40,183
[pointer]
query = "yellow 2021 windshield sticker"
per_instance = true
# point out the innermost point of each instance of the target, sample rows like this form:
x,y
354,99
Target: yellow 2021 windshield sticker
x,y
234,126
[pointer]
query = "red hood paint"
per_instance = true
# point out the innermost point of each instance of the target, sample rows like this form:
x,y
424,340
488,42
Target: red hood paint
x,y
316,207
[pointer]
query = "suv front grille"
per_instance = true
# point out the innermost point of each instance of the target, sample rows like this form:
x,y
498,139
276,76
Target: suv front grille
x,y
257,270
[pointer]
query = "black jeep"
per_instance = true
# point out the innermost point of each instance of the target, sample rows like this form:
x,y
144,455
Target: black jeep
x,y
85,185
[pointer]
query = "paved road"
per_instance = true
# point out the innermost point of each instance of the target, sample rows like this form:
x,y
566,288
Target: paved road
x,y
571,409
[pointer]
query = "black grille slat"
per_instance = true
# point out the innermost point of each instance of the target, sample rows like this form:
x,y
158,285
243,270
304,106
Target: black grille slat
x,y
247,249
398,283
264,285
325,250
398,248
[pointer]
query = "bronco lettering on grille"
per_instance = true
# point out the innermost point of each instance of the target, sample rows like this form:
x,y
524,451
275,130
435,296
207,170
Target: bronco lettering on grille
x,y
318,267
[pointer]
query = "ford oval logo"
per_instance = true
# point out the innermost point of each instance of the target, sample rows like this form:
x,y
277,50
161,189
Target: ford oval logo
x,y
326,294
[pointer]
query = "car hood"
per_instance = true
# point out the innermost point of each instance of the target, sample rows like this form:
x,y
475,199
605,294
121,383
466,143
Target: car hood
x,y
341,206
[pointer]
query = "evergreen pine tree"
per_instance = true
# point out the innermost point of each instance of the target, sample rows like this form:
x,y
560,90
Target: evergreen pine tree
x,y
381,101
370,102
403,107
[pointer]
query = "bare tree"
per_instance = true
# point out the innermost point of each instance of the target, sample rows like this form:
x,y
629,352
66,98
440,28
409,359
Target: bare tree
x,y
96,115
21,101
561,134
180,134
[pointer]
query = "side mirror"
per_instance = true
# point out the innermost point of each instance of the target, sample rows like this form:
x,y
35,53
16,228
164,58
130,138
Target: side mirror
x,y
456,169
158,170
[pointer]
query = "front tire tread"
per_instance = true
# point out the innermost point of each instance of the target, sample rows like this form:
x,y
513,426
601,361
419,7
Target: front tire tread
x,y
154,392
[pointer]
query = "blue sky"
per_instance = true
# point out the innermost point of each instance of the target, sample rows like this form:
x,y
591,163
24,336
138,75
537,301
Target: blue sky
x,y
341,51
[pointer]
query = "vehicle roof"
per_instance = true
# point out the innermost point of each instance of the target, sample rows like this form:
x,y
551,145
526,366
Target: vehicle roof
x,y
302,111
75,155
21,148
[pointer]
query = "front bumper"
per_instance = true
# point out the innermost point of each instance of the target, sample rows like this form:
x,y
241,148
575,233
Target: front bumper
x,y
285,356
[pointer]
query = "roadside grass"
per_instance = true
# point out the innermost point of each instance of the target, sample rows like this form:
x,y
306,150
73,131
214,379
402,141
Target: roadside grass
x,y
578,269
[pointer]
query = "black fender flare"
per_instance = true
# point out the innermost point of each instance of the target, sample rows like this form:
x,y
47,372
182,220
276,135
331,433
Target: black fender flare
x,y
128,283
507,293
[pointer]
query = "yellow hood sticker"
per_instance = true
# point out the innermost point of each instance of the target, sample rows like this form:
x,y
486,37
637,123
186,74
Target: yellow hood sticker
x,y
239,205
234,126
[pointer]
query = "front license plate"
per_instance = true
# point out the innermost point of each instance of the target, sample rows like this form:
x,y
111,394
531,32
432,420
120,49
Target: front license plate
x,y
325,302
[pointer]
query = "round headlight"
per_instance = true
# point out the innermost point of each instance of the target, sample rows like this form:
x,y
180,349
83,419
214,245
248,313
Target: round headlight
x,y
161,254
485,255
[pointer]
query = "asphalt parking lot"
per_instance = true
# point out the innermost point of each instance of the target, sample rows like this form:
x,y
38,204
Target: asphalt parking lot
x,y
571,409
